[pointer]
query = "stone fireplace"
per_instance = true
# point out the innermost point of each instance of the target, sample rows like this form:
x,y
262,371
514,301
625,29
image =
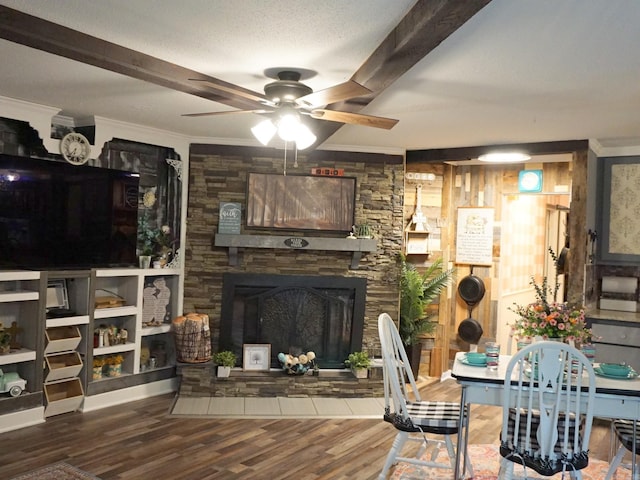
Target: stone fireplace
x,y
219,173
294,314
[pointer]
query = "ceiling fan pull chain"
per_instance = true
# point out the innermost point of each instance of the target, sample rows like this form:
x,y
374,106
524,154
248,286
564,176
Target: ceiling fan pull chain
x,y
295,158
285,159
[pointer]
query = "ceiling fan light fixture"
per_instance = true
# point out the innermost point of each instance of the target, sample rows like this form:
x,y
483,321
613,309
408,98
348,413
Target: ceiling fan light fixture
x,y
288,126
305,137
504,157
264,131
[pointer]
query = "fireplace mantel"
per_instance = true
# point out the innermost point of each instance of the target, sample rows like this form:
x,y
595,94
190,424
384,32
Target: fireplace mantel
x,y
357,246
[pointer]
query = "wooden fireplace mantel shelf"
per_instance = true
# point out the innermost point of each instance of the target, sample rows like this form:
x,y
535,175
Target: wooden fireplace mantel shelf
x,y
357,246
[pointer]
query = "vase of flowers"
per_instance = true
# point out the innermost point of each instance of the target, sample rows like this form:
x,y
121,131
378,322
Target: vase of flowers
x,y
550,320
153,240
114,365
98,364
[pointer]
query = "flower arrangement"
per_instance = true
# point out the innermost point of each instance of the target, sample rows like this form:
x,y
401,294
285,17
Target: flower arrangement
x,y
550,319
114,360
153,239
298,365
99,362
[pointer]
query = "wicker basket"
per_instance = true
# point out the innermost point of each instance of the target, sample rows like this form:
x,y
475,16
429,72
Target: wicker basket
x,y
193,338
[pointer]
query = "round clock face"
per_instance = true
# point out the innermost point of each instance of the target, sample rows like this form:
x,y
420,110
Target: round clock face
x,y
75,148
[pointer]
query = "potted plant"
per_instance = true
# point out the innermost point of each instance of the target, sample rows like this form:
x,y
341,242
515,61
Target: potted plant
x,y
359,362
417,292
225,359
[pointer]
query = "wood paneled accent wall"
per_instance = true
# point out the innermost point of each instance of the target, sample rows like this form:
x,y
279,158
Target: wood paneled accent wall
x,y
484,185
218,173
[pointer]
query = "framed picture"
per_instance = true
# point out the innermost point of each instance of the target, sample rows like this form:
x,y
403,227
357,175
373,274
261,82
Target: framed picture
x,y
256,357
57,296
300,202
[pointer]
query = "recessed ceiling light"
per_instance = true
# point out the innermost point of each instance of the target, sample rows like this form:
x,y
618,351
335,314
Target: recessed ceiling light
x,y
504,157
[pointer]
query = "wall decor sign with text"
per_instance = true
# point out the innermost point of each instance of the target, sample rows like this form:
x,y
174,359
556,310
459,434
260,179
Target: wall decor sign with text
x,y
474,236
230,218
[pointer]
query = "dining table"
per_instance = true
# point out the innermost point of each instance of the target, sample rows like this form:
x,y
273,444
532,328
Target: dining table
x,y
614,399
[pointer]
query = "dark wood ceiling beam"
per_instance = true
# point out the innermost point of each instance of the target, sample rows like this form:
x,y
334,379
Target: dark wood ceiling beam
x,y
421,30
34,32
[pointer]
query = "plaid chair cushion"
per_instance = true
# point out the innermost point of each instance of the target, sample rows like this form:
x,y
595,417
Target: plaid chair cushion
x,y
624,432
428,416
514,448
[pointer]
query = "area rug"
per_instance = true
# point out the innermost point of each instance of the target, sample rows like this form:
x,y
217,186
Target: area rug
x,y
486,463
57,471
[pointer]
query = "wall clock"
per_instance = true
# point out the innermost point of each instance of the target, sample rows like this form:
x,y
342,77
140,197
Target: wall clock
x,y
75,148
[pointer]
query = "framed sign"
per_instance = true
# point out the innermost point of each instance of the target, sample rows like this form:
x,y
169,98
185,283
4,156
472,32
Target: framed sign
x,y
230,217
256,357
474,236
300,202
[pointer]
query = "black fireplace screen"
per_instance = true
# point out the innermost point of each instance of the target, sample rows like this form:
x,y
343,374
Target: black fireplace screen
x,y
294,314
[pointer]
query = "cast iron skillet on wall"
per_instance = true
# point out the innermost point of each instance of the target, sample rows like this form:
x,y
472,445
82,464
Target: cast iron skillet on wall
x,y
471,289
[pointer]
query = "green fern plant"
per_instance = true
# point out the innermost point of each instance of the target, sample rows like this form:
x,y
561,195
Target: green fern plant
x,y
417,292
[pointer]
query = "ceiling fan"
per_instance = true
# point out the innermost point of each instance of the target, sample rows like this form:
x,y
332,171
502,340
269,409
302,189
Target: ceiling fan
x,y
422,29
287,98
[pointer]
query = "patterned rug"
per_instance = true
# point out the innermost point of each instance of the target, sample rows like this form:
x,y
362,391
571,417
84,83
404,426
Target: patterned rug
x,y
486,462
57,471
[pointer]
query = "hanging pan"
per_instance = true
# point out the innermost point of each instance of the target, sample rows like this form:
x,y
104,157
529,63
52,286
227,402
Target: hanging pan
x,y
470,331
471,289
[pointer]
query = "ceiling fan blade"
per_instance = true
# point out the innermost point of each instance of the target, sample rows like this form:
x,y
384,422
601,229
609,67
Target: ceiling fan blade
x,y
226,112
233,89
354,118
337,93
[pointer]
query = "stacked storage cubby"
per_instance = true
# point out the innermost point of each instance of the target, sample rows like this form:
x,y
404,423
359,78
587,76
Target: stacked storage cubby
x,y
67,322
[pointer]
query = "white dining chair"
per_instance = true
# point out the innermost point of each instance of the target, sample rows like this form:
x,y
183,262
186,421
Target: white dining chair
x,y
547,411
413,417
622,431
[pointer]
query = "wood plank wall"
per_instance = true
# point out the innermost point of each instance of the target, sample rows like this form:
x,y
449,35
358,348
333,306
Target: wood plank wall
x,y
463,185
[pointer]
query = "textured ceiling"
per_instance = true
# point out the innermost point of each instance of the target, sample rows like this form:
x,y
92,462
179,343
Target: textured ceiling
x,y
515,72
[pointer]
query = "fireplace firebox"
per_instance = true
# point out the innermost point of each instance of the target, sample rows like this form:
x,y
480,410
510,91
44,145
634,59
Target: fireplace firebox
x,y
294,313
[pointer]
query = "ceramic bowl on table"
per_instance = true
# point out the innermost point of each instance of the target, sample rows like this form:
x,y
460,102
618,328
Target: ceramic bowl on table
x,y
476,358
615,369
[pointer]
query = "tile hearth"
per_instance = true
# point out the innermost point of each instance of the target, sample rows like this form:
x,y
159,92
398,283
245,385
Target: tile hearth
x,y
279,407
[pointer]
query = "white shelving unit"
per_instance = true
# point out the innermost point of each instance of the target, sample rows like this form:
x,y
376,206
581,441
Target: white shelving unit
x,y
57,351
148,326
20,310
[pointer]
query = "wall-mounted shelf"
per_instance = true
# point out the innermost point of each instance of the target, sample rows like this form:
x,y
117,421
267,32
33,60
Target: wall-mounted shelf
x,y
416,242
357,246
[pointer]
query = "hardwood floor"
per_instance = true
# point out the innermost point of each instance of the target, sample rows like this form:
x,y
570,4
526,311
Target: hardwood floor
x,y
140,440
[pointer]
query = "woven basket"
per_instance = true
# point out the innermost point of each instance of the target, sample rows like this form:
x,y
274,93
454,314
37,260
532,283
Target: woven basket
x,y
193,338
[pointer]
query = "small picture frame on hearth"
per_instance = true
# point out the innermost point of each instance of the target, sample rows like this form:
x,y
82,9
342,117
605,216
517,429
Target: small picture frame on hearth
x,y
256,357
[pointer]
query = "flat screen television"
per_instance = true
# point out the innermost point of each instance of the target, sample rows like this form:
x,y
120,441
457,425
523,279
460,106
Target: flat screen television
x,y
55,215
